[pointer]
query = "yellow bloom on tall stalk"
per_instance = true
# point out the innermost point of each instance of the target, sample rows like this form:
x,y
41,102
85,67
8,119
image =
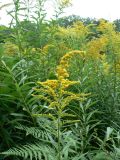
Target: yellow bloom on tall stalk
x,y
56,89
56,97
78,30
106,27
43,50
50,83
63,32
46,48
97,47
64,63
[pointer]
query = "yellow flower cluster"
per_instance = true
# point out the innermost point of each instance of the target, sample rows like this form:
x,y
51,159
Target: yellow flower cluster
x,y
62,73
47,47
97,47
63,32
54,84
44,50
78,30
105,27
50,83
64,63
114,42
113,37
55,92
65,83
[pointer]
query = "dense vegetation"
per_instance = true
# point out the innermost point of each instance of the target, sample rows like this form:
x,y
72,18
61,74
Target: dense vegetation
x,y
59,86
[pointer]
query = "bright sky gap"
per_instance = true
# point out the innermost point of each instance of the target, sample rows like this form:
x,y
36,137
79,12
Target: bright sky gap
x,y
108,9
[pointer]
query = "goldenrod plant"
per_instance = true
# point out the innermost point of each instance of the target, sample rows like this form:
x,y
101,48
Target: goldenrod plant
x,y
55,93
57,98
59,85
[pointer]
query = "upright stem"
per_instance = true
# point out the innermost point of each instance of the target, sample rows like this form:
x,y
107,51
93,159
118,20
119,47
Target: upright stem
x,y
28,9
59,137
16,3
59,123
115,82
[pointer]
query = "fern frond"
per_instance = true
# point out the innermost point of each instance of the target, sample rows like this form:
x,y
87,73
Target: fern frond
x,y
35,151
38,133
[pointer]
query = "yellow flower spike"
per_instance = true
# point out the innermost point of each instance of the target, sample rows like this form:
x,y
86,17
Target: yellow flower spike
x,y
62,72
64,63
43,50
66,83
54,92
97,47
47,47
49,83
78,31
105,26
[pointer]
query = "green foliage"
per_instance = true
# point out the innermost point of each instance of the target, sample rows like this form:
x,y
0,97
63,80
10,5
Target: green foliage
x,y
37,151
54,120
70,20
117,25
5,33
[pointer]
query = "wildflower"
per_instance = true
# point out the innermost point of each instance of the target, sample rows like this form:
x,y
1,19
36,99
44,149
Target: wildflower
x,y
105,27
66,83
47,47
96,46
64,63
49,83
56,90
77,31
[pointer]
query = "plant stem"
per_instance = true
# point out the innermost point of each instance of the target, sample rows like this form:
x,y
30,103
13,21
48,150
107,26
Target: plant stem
x,y
16,4
59,137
